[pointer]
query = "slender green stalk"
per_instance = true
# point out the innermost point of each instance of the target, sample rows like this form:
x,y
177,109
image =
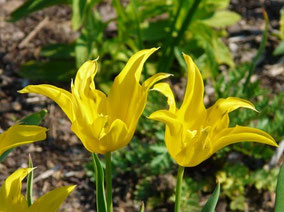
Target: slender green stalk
x,y
108,182
29,192
99,179
259,52
178,188
119,10
168,55
172,29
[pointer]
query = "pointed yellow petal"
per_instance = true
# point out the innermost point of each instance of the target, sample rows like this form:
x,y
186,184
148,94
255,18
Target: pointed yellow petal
x,y
126,97
11,198
134,65
217,114
153,79
241,134
165,89
84,85
51,201
223,106
21,134
192,109
169,118
60,96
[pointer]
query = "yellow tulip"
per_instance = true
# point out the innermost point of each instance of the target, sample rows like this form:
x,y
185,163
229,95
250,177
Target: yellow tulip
x,y
193,133
21,134
103,123
12,200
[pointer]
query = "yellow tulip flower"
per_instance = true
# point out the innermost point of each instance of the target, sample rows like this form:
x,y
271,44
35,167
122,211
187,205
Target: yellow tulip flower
x,y
12,200
193,133
103,123
21,134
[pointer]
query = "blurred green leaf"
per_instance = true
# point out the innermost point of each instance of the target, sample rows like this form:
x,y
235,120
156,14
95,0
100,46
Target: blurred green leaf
x,y
279,49
279,203
212,201
239,203
217,4
281,23
58,70
58,51
223,18
31,6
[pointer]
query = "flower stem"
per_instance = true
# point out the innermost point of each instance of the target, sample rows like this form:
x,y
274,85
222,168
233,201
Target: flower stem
x,y
178,188
108,182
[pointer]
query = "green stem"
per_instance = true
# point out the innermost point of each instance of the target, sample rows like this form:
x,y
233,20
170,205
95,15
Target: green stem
x,y
178,188
168,55
108,182
259,52
29,192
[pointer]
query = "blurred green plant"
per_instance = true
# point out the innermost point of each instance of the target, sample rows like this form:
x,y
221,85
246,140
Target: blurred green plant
x,y
280,48
234,179
194,27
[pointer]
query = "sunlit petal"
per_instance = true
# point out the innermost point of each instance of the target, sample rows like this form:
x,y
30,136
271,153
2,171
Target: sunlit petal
x,y
51,201
21,134
193,107
11,198
167,117
240,134
60,96
126,89
165,89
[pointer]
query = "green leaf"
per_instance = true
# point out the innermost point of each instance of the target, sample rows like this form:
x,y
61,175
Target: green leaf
x,y
58,51
279,203
223,18
55,70
281,23
155,31
31,6
5,154
99,178
33,119
29,192
142,207
213,200
279,49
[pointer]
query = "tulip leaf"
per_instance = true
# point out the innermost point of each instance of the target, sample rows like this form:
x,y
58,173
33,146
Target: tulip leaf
x,y
31,6
33,119
279,49
213,200
55,70
279,203
223,18
5,154
99,179
58,51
